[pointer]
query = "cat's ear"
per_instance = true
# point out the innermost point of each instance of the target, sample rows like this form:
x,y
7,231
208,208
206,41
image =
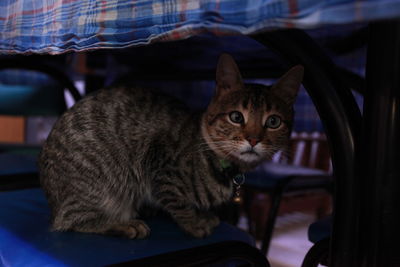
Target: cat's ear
x,y
228,76
288,85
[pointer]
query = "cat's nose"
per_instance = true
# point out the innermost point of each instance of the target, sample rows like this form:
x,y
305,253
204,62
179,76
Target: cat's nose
x,y
253,141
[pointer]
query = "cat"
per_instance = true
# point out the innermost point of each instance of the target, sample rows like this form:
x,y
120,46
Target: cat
x,y
121,149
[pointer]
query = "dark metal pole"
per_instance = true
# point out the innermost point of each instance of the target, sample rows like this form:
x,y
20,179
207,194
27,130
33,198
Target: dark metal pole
x,y
276,197
342,122
379,156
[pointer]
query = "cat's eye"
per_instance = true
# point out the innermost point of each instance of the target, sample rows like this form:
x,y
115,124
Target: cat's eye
x,y
273,122
236,117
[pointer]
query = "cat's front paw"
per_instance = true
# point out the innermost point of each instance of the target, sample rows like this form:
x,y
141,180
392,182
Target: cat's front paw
x,y
136,229
201,227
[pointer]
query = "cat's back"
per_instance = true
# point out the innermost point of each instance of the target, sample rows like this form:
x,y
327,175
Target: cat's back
x,y
105,137
112,121
121,111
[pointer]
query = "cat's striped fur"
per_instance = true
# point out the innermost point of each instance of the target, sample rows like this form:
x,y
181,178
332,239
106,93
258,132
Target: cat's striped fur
x,y
120,149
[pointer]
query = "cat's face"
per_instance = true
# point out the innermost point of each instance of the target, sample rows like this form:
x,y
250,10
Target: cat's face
x,y
248,123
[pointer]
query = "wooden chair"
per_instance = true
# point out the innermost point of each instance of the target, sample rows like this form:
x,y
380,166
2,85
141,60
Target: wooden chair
x,y
308,168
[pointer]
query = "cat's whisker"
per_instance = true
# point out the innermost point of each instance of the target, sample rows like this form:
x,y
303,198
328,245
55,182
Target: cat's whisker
x,y
216,143
229,153
270,151
209,149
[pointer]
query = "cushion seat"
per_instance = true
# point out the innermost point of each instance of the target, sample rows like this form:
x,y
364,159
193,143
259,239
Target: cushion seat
x,y
26,239
270,174
11,164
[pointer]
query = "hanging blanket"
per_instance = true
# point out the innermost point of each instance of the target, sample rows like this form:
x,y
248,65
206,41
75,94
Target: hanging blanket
x,y
57,26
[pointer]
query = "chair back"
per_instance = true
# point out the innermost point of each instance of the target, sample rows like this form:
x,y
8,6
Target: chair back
x,y
30,93
307,150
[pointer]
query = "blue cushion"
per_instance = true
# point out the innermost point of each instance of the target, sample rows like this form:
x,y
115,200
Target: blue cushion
x,y
16,164
26,241
320,229
269,174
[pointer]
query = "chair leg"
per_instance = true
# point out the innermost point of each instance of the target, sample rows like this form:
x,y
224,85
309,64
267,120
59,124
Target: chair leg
x,y
276,197
318,254
247,202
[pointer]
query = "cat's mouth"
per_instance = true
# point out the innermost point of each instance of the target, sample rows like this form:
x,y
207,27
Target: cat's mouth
x,y
249,152
249,156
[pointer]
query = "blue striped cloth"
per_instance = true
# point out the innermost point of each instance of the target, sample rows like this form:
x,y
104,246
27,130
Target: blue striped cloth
x,y
57,26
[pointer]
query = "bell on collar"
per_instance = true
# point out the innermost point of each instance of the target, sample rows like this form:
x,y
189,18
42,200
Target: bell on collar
x,y
238,180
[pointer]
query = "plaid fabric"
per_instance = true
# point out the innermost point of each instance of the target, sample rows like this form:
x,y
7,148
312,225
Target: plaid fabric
x,y
57,26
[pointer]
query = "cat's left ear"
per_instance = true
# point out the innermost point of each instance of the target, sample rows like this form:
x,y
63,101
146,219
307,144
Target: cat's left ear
x,y
228,75
288,85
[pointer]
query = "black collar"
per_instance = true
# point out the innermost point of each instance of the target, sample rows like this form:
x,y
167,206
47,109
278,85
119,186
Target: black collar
x,y
228,168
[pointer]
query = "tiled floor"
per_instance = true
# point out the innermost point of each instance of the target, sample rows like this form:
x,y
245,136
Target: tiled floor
x,y
289,244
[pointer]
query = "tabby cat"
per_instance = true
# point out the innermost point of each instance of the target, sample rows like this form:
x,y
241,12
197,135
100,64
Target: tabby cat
x,y
120,149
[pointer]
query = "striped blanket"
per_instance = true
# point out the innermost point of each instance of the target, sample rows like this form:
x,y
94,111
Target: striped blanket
x,y
57,26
